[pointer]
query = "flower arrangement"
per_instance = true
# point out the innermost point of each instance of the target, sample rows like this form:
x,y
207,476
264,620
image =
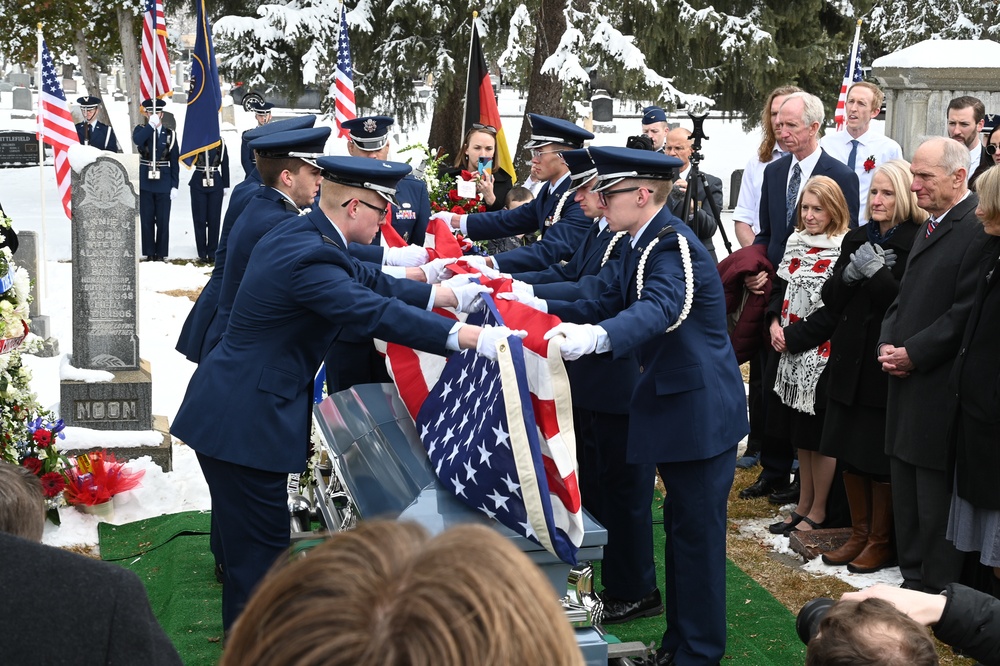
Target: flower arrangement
x,y
441,186
96,477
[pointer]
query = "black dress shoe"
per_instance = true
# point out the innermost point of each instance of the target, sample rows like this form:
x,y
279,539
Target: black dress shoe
x,y
785,496
661,658
219,574
617,611
759,488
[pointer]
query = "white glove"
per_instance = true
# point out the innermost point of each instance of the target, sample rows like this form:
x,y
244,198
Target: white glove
x,y
225,191
445,216
438,270
173,193
490,336
154,121
522,288
409,255
398,272
521,297
469,298
580,339
476,260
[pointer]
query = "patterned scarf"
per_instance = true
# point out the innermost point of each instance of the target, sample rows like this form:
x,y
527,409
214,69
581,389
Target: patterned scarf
x,y
807,264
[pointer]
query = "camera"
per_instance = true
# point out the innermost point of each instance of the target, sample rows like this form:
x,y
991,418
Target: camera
x,y
639,142
809,618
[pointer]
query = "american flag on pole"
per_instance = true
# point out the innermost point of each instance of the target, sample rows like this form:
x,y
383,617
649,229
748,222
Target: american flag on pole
x,y
154,49
343,103
55,125
852,74
499,434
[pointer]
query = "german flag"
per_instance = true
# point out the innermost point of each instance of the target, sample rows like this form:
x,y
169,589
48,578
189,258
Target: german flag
x,y
481,105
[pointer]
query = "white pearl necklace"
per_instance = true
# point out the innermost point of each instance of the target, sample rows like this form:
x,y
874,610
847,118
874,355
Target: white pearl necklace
x,y
685,249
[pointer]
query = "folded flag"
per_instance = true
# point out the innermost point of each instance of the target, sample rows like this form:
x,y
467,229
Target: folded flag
x,y
439,241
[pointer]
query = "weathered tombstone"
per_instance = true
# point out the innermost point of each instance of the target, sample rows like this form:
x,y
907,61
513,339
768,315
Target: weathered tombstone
x,y
28,257
102,82
69,86
22,99
179,97
67,71
19,79
920,80
603,110
18,148
6,87
105,336
229,113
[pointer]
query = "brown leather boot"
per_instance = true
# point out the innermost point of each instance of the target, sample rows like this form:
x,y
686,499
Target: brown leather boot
x,y
859,499
880,552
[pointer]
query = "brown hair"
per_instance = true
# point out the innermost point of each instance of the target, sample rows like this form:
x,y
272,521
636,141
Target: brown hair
x,y
870,633
877,95
966,101
460,157
388,594
270,168
767,145
831,198
898,173
22,504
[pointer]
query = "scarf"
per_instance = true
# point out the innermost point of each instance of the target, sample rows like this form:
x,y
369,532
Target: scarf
x,y
807,264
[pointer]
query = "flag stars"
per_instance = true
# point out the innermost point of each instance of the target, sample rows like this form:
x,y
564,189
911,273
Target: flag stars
x,y
440,420
470,472
454,452
484,456
528,530
446,390
498,500
502,437
448,435
462,377
513,488
459,487
482,507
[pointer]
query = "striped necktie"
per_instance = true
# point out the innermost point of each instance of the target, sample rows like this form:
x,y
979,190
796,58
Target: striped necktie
x,y
792,194
931,226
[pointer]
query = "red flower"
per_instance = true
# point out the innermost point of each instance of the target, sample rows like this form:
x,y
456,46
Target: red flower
x,y
792,318
824,349
814,250
53,483
784,308
481,208
458,210
821,266
793,265
34,465
42,437
453,195
869,164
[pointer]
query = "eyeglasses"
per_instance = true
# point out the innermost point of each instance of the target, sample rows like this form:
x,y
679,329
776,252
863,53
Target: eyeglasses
x,y
992,149
603,196
381,211
488,128
536,153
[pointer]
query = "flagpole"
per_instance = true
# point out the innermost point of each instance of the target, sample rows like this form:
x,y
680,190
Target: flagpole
x,y
43,274
854,50
155,75
465,108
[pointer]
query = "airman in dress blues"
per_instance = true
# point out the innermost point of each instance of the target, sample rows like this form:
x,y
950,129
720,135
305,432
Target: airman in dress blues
x,y
654,125
159,179
262,112
209,183
93,132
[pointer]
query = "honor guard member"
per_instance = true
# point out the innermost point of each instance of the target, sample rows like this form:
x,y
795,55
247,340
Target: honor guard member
x,y
247,408
688,411
209,183
553,213
93,132
262,111
654,125
191,341
158,180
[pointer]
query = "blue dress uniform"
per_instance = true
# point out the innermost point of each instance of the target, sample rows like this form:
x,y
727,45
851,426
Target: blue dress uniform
x,y
154,193
247,408
409,219
95,134
192,339
263,113
688,410
208,183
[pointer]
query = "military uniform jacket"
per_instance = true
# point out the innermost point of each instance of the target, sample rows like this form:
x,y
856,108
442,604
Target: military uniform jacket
x,y
249,401
689,402
166,158
214,161
928,318
194,332
560,239
586,260
409,219
100,136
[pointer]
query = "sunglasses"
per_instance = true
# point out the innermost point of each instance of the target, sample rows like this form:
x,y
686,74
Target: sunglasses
x,y
488,128
992,149
381,211
603,196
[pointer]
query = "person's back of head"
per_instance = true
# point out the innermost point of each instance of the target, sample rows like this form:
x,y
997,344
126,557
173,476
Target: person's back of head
x,y
22,504
386,593
517,196
871,632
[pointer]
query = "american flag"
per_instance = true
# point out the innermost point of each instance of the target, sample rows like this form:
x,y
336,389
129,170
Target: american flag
x,y
852,74
55,125
499,434
439,241
153,23
344,96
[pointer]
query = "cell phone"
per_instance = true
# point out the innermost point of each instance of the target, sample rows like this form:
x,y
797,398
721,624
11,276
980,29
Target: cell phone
x,y
485,165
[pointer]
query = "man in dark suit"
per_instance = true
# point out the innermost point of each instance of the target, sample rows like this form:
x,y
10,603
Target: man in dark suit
x,y
688,409
159,178
702,220
246,411
920,339
966,117
553,212
92,132
209,183
799,119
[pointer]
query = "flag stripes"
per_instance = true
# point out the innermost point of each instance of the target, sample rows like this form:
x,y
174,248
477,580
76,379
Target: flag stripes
x,y
55,125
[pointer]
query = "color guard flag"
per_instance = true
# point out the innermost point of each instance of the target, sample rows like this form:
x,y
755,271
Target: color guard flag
x,y
201,122
343,104
499,434
55,125
481,105
852,75
155,59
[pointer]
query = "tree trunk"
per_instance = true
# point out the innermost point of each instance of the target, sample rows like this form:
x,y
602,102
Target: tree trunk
x,y
545,90
91,79
446,125
130,61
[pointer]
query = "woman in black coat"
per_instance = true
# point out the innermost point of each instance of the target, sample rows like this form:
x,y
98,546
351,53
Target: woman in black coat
x,y
974,521
856,299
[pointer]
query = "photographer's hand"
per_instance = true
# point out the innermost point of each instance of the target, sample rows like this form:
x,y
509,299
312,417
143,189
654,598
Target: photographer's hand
x,y
923,607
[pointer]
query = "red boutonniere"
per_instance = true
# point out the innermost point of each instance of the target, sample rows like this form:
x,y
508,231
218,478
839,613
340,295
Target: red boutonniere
x,y
869,163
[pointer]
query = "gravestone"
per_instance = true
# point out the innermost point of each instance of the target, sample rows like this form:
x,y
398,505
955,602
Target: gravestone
x,y
69,86
18,148
22,99
102,82
67,71
105,305
28,256
6,87
19,79
603,110
229,112
179,97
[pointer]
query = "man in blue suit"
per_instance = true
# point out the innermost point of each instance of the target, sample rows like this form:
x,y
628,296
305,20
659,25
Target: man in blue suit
x,y
92,132
191,341
159,179
799,119
688,411
209,183
553,212
247,408
262,112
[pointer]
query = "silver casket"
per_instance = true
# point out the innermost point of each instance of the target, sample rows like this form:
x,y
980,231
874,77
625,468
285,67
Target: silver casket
x,y
380,469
